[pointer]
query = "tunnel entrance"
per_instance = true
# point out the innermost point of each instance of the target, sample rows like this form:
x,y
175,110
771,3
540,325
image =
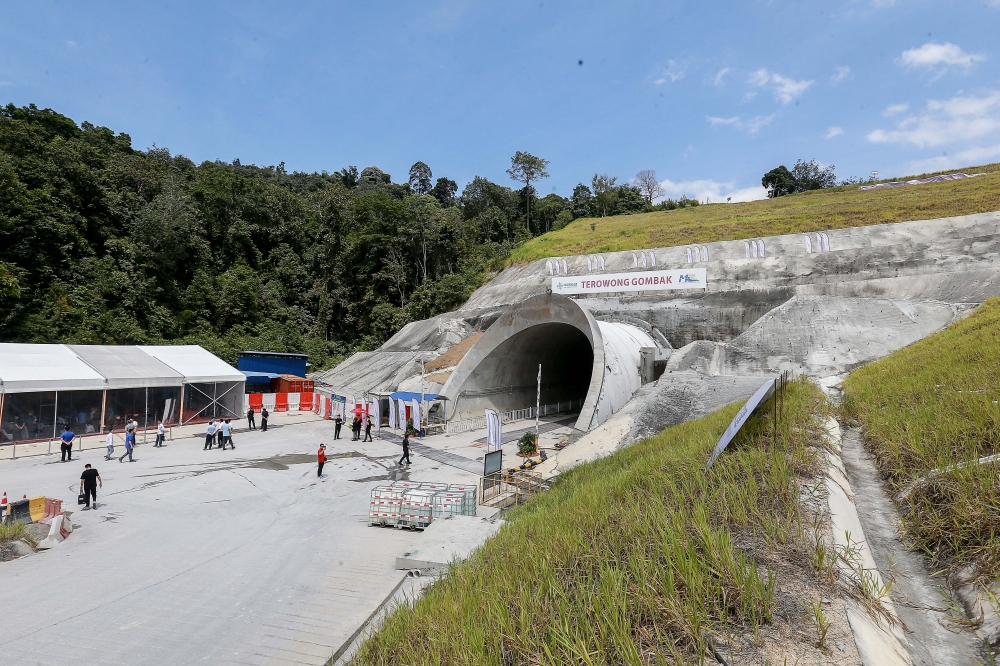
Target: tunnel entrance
x,y
506,378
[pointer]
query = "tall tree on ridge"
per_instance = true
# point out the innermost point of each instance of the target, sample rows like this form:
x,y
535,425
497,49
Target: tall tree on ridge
x,y
650,186
420,178
524,168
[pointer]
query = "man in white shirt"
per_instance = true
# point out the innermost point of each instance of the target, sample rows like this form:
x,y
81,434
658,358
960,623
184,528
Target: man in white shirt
x,y
160,430
110,442
227,434
209,435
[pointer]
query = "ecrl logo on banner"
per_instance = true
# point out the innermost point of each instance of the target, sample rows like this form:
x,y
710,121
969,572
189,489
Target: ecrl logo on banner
x,y
494,438
689,278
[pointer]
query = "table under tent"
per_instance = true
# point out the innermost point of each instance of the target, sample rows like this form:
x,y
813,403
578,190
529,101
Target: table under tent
x,y
92,389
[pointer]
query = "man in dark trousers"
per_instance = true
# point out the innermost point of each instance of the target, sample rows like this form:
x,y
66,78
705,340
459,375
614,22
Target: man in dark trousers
x,y
251,421
406,449
321,460
263,419
368,430
337,422
88,484
66,445
129,445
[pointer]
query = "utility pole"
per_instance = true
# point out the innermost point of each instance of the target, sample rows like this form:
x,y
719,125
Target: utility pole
x,y
422,391
538,401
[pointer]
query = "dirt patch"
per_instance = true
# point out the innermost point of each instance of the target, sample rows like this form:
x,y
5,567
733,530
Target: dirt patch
x,y
455,354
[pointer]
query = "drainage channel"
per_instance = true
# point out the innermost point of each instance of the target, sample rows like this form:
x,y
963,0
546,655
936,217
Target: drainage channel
x,y
920,600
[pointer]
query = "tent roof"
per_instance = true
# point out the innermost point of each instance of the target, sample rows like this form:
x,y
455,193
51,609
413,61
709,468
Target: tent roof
x,y
29,367
410,395
125,366
198,365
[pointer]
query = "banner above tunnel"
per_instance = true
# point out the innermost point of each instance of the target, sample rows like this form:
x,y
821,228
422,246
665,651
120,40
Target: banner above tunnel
x,y
689,278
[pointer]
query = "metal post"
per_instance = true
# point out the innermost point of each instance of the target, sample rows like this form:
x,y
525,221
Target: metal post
x,y
538,400
180,412
422,370
145,417
104,407
774,428
55,417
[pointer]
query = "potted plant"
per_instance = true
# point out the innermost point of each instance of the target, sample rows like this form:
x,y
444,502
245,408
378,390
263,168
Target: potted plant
x,y
527,445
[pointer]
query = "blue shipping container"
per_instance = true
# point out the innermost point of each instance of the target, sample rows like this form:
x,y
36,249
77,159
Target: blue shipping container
x,y
276,362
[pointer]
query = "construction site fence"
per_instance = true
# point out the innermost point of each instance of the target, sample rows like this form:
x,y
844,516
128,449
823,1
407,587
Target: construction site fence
x,y
458,426
281,402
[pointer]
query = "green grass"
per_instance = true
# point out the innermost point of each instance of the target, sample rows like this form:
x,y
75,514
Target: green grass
x,y
12,531
634,559
927,407
834,208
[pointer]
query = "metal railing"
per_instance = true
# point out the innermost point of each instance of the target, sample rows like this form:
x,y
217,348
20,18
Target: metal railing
x,y
502,490
458,426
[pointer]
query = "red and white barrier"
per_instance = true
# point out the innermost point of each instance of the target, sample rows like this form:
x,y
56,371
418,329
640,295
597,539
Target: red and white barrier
x,y
61,528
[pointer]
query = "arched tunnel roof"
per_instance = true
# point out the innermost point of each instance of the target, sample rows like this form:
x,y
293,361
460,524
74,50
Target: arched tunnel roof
x,y
596,361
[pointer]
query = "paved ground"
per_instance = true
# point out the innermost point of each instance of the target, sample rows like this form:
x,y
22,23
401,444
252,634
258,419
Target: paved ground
x,y
236,557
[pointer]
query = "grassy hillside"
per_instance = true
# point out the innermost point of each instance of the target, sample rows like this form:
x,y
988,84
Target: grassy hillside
x,y
637,559
928,407
817,210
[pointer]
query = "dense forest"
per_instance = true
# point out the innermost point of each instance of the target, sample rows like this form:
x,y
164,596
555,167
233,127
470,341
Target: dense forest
x,y
102,243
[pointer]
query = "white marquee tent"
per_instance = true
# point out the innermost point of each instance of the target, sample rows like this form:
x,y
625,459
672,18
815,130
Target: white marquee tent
x,y
96,388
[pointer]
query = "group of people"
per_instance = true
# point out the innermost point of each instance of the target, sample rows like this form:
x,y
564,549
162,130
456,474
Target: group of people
x,y
252,421
220,434
356,426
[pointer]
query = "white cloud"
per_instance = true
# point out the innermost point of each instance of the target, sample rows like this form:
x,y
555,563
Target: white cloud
x,y
963,158
841,73
751,125
713,191
943,122
674,72
934,55
785,89
725,70
834,131
896,109
70,44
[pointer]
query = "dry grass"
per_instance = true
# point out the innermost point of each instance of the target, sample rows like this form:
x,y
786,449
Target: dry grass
x,y
834,208
454,355
639,558
932,406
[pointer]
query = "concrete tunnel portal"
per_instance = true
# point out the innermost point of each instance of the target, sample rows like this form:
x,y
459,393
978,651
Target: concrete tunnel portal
x,y
583,359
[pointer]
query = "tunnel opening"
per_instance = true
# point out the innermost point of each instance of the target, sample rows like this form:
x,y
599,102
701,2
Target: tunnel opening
x,y
506,378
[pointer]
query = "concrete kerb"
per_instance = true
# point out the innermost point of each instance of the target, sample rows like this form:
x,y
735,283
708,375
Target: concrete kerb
x,y
879,642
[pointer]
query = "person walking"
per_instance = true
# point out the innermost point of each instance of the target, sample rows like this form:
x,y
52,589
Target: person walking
x,y
129,445
250,419
109,441
321,460
356,428
227,437
66,445
160,432
368,430
263,419
209,436
406,449
88,484
337,422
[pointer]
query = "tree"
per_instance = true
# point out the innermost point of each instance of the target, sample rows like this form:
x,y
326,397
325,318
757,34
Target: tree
x,y
582,199
778,182
420,178
809,176
444,191
524,168
649,185
604,192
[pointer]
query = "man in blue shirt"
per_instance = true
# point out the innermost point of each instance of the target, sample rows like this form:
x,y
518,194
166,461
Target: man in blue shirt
x,y
209,436
67,444
227,434
129,443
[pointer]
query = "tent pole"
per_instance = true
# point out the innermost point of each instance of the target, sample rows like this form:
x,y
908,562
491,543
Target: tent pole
x,y
180,417
104,408
145,418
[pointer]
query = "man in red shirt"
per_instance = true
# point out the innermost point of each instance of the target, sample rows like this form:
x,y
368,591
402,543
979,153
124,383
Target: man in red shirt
x,y
321,457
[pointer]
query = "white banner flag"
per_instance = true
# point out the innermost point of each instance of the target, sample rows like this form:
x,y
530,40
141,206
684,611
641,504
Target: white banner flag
x,y
376,417
494,436
688,278
415,413
401,413
392,413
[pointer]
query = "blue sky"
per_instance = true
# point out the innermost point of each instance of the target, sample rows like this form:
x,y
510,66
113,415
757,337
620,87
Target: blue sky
x,y
709,94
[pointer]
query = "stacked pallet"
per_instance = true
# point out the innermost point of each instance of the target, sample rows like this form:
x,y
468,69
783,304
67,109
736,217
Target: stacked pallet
x,y
415,505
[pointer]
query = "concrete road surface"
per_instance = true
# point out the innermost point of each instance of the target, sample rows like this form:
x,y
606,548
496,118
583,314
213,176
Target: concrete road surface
x,y
235,557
